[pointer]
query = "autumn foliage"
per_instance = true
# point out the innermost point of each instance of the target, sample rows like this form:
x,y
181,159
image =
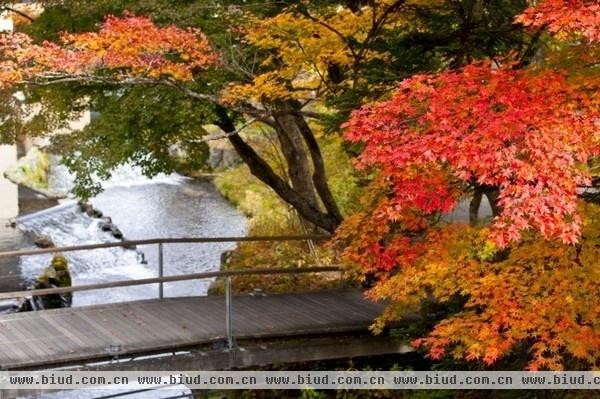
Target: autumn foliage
x,y
529,278
542,299
122,48
302,50
529,134
565,18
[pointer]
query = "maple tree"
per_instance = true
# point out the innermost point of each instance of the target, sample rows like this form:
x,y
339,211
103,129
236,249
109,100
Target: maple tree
x,y
132,47
529,140
341,56
309,51
565,18
528,134
280,66
525,138
133,51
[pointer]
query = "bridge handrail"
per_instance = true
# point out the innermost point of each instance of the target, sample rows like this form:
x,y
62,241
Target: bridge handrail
x,y
168,279
159,241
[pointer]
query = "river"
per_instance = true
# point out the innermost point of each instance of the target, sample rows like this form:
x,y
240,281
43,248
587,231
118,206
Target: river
x,y
166,206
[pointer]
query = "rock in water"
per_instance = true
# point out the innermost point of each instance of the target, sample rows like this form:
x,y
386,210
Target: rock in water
x,y
89,210
116,232
43,241
54,276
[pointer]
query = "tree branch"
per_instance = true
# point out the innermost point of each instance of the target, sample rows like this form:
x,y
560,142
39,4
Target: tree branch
x,y
265,173
308,15
14,10
226,135
49,79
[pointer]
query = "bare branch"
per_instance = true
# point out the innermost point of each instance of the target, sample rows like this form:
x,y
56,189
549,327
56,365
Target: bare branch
x,y
18,12
48,79
225,135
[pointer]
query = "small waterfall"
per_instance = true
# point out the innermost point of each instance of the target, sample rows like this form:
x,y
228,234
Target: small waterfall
x,y
61,180
67,225
165,206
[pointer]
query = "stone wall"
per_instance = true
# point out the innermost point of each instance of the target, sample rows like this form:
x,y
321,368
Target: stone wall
x,y
9,197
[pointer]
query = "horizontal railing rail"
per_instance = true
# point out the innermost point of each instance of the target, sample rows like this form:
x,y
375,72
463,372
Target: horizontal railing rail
x,y
168,279
161,279
151,241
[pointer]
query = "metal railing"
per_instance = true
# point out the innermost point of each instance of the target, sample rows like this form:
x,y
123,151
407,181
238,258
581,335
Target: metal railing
x,y
160,244
150,241
161,279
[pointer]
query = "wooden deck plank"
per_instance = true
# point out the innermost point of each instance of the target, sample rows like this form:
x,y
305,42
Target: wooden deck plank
x,y
149,328
176,323
6,353
82,327
74,329
122,331
96,321
56,322
124,320
189,329
32,340
185,318
11,342
147,321
51,338
76,335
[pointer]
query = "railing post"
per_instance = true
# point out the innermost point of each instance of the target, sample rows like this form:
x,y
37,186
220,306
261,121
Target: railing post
x,y
228,312
160,270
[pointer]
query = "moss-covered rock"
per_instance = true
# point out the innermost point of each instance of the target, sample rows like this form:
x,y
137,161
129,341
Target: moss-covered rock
x,y
55,275
32,171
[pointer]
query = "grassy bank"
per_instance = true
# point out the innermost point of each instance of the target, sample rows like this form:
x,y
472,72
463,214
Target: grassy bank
x,y
269,215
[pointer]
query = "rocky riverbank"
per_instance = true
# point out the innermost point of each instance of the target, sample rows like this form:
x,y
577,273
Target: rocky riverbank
x,y
12,239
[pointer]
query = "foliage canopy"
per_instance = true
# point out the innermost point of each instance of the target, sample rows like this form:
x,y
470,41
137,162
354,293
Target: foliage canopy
x,y
527,135
494,99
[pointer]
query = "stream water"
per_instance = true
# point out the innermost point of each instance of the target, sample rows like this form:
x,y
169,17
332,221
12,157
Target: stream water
x,y
166,206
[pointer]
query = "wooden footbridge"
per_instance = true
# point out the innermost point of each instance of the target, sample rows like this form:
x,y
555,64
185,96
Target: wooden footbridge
x,y
191,333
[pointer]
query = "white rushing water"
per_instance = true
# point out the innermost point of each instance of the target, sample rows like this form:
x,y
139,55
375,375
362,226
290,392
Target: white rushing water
x,y
165,206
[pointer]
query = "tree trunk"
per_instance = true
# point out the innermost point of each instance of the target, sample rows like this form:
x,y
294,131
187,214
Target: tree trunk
x,y
492,194
475,205
306,207
319,174
294,152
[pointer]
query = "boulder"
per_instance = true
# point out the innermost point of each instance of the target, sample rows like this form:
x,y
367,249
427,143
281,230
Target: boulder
x,y
23,305
105,226
116,232
89,210
55,275
31,171
43,241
